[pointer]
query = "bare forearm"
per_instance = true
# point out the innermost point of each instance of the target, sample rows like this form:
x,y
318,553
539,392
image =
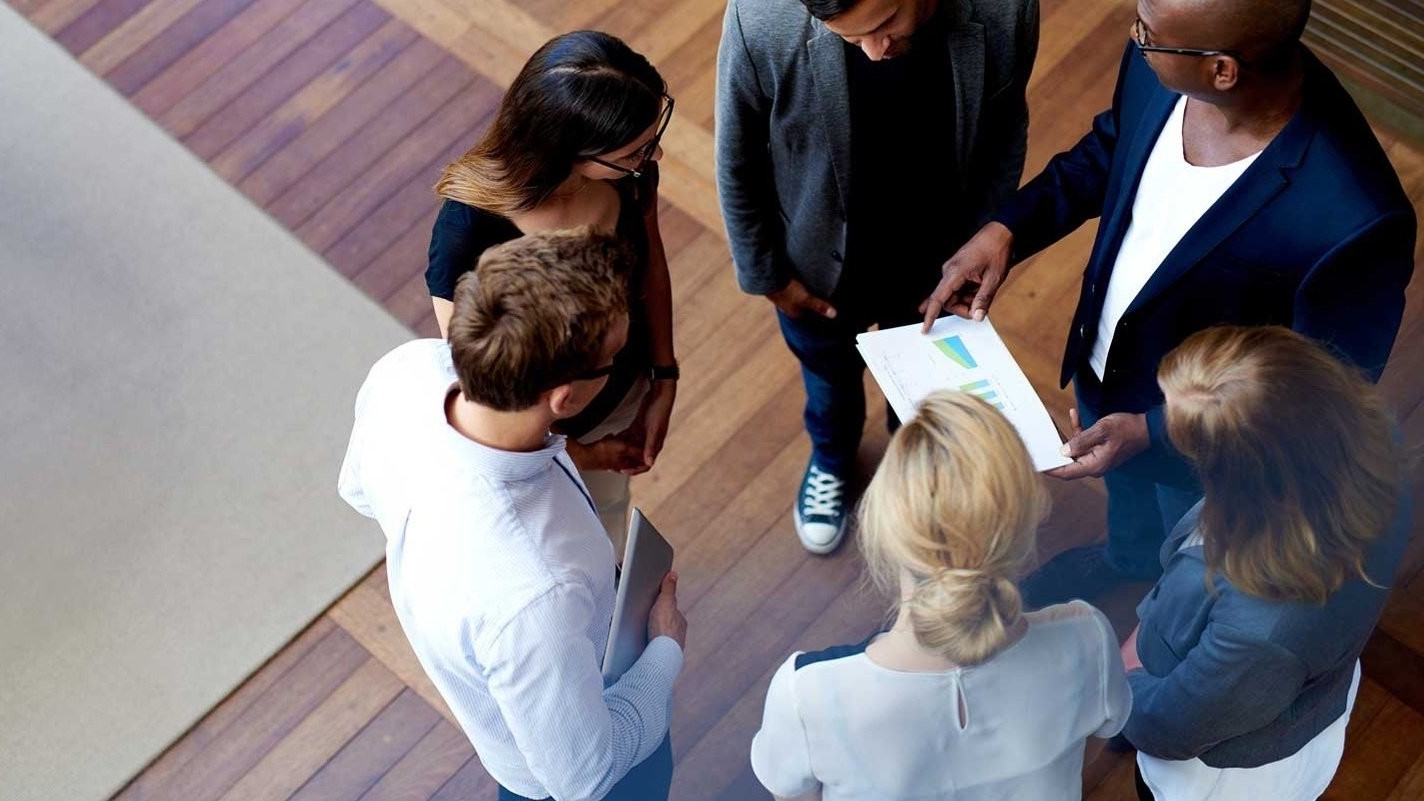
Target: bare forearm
x,y
657,294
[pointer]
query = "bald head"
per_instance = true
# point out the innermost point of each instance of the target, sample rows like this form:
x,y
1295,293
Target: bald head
x,y
1261,30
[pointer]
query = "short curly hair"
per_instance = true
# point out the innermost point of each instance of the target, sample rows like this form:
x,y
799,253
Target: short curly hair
x,y
535,313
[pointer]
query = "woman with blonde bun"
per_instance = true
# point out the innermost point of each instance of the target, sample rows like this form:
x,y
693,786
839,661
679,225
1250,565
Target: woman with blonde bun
x,y
966,696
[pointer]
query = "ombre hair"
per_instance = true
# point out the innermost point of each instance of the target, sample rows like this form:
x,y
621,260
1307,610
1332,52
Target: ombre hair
x,y
955,506
582,94
1298,461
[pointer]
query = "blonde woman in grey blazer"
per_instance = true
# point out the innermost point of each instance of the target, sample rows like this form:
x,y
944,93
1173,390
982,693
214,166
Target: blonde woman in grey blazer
x,y
859,143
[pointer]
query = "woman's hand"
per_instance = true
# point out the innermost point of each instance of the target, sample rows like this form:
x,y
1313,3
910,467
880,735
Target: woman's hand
x,y
653,420
613,452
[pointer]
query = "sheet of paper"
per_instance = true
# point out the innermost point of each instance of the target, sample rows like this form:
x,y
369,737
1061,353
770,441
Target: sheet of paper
x,y
967,356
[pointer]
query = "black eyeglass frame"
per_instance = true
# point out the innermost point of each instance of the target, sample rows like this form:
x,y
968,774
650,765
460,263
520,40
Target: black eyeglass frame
x,y
1139,38
646,154
592,374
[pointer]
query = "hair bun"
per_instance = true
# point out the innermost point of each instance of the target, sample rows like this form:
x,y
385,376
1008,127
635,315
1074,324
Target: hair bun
x,y
964,613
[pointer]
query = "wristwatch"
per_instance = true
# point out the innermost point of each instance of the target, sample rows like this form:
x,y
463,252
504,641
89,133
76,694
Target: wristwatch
x,y
664,372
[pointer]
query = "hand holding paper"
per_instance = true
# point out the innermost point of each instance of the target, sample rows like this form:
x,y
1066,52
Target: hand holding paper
x,y
967,356
1106,444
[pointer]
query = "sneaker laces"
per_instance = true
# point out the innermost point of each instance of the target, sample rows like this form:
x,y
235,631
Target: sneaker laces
x,y
823,494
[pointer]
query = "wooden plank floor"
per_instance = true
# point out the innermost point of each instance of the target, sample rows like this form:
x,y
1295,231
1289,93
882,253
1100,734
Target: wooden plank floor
x,y
335,116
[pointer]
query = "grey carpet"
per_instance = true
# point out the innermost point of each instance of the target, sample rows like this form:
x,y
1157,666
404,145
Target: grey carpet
x,y
176,381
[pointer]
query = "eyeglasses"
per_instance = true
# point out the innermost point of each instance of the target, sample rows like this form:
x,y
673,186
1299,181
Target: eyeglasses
x,y
645,153
594,374
1139,36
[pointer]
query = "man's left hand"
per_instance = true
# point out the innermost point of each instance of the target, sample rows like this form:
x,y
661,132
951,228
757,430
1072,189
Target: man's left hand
x,y
1106,444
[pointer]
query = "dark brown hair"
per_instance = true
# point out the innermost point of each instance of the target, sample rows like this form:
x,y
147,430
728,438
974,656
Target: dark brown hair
x,y
582,94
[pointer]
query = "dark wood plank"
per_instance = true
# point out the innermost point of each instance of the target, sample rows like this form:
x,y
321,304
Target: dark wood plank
x,y
92,25
348,119
196,66
285,79
471,783
426,768
732,648
370,754
412,203
1396,666
449,126
219,89
320,94
54,15
216,722
410,304
219,765
1389,746
151,59
448,84
1118,784
394,266
320,735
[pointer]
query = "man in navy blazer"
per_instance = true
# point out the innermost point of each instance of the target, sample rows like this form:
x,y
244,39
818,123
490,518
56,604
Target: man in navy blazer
x,y
1266,200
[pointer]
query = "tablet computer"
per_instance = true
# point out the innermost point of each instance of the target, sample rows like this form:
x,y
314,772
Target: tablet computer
x,y
647,557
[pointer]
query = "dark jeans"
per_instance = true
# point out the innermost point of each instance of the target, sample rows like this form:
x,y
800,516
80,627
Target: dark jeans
x,y
1147,495
649,780
832,371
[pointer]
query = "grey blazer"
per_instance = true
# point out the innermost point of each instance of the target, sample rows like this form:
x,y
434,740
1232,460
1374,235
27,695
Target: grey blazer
x,y
783,130
1239,681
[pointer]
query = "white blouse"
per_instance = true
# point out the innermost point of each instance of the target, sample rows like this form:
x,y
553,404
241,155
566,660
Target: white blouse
x,y
838,720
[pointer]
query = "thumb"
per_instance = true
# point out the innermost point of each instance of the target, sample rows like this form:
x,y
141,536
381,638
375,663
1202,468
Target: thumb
x,y
1076,446
982,299
669,586
821,307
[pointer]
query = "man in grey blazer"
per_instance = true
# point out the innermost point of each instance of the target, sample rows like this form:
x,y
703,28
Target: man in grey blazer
x,y
859,143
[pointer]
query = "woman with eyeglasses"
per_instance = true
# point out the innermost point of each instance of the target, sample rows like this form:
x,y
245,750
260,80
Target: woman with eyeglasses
x,y
966,697
1245,665
576,142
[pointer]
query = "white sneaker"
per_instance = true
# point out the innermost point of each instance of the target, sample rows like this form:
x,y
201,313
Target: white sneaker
x,y
821,510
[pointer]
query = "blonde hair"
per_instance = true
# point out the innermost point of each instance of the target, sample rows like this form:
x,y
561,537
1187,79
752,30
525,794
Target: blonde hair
x,y
1295,451
536,313
955,505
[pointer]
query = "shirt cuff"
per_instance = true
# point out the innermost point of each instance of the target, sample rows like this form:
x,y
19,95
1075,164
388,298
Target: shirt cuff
x,y
1157,429
664,658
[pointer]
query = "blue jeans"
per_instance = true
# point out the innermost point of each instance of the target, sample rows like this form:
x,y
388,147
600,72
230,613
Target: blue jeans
x,y
649,780
1147,495
832,370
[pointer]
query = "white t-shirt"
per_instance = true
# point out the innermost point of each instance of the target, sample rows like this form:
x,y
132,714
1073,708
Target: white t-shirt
x,y
866,732
1171,196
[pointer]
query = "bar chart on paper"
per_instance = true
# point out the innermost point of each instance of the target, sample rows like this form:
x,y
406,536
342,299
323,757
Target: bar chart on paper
x,y
968,357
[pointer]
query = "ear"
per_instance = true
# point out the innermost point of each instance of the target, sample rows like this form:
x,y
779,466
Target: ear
x,y
589,170
560,401
1225,72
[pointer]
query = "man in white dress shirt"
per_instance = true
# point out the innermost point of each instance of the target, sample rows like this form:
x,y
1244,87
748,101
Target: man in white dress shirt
x,y
500,572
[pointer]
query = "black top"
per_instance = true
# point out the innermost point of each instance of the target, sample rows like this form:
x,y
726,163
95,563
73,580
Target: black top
x,y
902,205
462,233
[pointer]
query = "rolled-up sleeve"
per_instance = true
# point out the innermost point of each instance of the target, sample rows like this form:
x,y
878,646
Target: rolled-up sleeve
x,y
577,738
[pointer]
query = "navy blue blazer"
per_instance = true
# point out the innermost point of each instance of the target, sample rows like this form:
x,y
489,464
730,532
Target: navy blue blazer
x,y
1240,681
1317,235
